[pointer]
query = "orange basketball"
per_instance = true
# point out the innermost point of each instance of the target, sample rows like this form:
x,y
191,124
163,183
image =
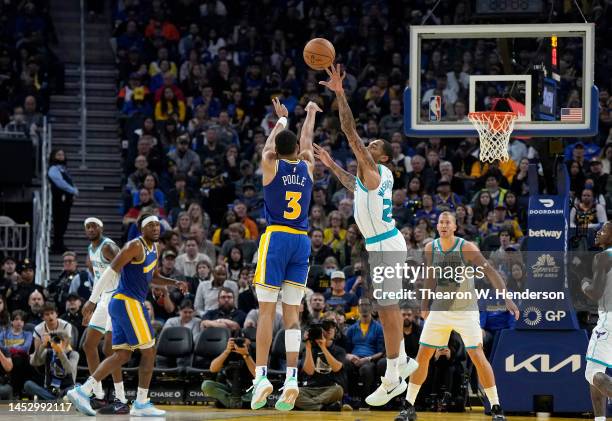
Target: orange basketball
x,y
319,53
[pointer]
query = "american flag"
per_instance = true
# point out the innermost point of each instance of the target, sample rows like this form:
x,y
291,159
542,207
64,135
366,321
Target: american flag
x,y
571,114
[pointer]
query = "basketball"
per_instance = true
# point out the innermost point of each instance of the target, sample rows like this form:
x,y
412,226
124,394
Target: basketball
x,y
319,53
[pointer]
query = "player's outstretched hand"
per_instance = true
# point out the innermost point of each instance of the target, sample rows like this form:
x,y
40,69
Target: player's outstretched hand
x,y
313,106
279,109
87,311
322,155
336,76
512,308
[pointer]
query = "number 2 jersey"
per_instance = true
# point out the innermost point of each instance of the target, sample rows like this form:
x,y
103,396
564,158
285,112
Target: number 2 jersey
x,y
287,197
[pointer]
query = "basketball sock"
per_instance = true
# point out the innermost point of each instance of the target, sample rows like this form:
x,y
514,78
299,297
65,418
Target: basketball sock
x,y
89,385
291,372
98,390
120,392
492,395
391,374
261,371
413,391
141,395
402,353
600,418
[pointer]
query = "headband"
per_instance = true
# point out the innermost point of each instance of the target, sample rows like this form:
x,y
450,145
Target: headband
x,y
94,220
148,220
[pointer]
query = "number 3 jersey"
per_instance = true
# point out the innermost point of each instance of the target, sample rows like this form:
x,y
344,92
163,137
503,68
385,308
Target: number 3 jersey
x,y
287,197
373,212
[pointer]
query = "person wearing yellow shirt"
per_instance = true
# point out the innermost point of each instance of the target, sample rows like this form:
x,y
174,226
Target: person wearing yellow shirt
x,y
168,106
335,233
507,168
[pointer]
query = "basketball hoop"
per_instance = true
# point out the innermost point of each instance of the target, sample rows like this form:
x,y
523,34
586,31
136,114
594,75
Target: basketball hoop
x,y
494,129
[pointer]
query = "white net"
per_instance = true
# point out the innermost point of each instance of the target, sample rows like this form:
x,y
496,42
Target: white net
x,y
494,129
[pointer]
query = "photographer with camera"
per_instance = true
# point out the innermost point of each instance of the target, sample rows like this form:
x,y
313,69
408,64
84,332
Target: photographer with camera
x,y
51,324
236,370
321,388
60,363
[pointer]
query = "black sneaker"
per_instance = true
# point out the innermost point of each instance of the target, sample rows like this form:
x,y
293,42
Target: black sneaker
x,y
115,408
408,413
97,403
332,407
497,413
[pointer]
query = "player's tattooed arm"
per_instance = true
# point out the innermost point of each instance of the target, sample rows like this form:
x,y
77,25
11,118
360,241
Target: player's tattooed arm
x,y
347,179
109,251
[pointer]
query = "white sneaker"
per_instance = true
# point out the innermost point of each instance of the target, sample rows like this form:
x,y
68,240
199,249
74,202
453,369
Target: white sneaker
x,y
290,393
405,370
386,391
146,410
261,390
81,401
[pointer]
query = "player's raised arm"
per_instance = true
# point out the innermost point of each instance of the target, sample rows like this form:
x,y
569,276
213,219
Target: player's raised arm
x,y
347,123
346,178
306,134
475,257
269,150
601,266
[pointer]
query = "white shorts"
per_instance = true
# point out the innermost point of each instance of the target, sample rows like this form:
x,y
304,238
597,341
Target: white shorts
x,y
290,294
439,324
100,319
388,253
600,345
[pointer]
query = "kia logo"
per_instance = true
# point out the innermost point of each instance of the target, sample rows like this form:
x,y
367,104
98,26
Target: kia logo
x,y
547,203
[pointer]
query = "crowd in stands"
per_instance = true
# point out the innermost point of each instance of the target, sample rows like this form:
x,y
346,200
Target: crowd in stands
x,y
195,84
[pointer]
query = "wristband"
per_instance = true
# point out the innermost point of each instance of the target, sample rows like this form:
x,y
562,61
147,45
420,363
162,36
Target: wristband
x,y
282,121
585,286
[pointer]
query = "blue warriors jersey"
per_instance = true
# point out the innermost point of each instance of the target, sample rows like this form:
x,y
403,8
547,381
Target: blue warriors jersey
x,y
287,197
136,276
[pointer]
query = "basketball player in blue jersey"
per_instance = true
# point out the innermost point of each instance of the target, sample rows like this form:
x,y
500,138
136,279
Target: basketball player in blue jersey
x,y
282,263
102,250
458,314
599,353
137,264
386,246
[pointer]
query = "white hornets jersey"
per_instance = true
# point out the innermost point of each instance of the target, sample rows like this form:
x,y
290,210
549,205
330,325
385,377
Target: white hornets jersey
x,y
605,302
373,208
98,262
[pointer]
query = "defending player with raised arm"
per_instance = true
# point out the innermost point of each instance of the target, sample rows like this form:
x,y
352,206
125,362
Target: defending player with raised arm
x,y
599,352
284,249
373,188
136,267
461,315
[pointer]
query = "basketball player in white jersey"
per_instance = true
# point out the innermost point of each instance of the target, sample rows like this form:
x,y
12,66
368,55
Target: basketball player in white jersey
x,y
461,315
102,250
373,188
599,353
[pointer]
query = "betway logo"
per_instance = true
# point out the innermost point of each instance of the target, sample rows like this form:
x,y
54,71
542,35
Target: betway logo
x,y
530,364
545,234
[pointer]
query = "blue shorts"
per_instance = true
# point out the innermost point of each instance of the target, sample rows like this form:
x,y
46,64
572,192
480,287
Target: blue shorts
x,y
283,258
131,323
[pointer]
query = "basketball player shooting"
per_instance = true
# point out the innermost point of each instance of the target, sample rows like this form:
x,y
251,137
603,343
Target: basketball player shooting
x,y
461,315
386,246
284,249
599,352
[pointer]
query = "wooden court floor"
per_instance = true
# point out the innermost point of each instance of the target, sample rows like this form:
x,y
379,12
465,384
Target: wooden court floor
x,y
197,413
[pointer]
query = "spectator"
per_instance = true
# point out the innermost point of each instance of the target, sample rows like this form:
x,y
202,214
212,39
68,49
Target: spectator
x,y
425,174
236,234
150,183
239,369
587,213
222,233
15,344
401,214
162,303
4,315
186,160
60,363
185,318
412,331
50,326
338,297
36,302
17,296
216,191
317,306
208,291
364,347
483,206
136,178
187,261
446,366
183,224
9,277
63,191
169,106
252,318
6,367
323,366
428,210
226,315
335,233
155,324
250,225
445,200
320,251
392,122
73,313
60,288
234,263
179,196
205,246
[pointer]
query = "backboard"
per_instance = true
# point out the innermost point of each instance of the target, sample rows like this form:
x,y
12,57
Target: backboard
x,y
543,71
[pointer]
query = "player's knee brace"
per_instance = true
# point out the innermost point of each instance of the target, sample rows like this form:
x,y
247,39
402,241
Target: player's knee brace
x,y
591,370
293,338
